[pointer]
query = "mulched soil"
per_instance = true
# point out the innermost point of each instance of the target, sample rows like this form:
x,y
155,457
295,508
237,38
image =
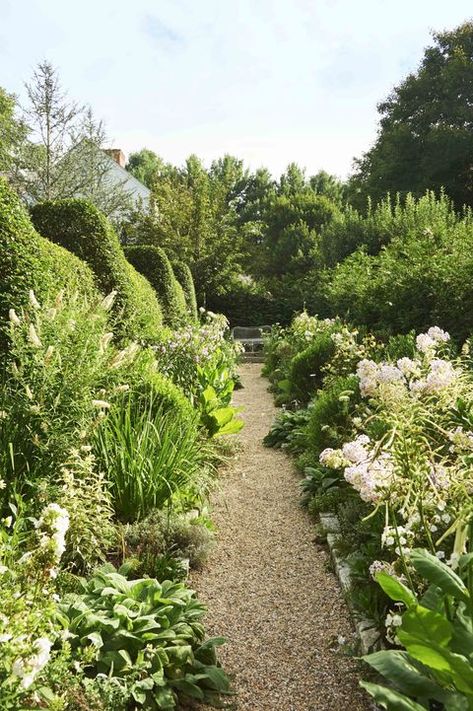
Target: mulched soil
x,y
268,585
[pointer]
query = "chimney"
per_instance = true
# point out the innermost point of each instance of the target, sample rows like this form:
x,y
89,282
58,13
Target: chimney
x,y
117,155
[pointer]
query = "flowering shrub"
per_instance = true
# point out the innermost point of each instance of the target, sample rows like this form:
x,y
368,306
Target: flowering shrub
x,y
419,470
28,628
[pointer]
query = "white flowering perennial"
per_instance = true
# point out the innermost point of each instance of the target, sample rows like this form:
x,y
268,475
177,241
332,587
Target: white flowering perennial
x,y
28,669
370,473
52,528
440,377
428,342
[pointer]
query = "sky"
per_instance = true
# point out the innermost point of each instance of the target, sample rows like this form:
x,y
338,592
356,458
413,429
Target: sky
x,y
270,81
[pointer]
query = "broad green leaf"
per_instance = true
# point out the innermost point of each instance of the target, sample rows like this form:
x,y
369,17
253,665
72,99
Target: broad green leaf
x,y
396,590
390,699
439,574
426,626
398,669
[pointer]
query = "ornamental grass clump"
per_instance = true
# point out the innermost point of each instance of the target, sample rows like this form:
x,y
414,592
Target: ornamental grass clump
x,y
148,456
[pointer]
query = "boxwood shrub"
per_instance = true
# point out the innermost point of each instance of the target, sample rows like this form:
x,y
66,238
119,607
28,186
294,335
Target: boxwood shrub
x,y
305,370
154,264
81,228
184,277
29,261
330,419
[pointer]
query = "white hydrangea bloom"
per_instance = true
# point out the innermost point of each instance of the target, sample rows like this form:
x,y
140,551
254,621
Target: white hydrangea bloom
x,y
356,451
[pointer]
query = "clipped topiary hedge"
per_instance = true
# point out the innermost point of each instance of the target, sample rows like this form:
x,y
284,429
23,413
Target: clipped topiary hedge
x,y
153,263
184,277
29,261
82,229
305,370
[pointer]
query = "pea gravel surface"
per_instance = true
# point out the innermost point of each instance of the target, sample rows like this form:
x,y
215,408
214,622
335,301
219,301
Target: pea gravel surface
x,y
268,585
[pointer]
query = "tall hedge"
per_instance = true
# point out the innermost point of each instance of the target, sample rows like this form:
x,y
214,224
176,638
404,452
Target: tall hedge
x,y
184,277
29,261
82,229
153,263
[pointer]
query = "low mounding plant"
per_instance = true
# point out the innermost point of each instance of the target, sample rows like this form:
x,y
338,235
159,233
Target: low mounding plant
x,y
436,631
81,228
148,638
148,455
167,543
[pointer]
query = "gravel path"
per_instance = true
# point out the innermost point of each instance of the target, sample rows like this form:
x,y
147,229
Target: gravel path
x,y
267,584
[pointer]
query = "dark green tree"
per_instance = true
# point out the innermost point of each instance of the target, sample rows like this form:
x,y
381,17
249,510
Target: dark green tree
x,y
425,138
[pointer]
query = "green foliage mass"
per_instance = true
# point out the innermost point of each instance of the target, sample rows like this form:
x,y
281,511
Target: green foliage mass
x,y
305,371
425,139
330,419
152,263
148,637
29,261
422,275
184,277
82,229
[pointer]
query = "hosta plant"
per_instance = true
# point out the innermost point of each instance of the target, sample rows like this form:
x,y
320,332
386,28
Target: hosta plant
x,y
149,637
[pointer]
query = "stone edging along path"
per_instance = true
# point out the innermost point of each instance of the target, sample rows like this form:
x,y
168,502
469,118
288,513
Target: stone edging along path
x,y
268,585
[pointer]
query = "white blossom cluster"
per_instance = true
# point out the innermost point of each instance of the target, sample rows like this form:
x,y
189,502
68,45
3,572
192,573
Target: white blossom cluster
x,y
428,342
398,538
368,472
440,377
371,375
52,528
28,669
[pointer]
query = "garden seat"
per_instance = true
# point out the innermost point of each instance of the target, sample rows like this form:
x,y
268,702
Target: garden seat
x,y
251,337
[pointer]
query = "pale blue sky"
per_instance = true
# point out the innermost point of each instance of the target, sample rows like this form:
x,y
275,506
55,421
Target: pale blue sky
x,y
270,81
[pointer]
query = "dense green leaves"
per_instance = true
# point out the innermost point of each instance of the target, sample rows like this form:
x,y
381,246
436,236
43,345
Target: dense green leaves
x,y
82,229
425,139
148,637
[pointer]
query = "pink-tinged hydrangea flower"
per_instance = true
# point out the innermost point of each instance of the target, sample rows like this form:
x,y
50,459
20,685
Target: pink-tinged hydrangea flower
x,y
356,451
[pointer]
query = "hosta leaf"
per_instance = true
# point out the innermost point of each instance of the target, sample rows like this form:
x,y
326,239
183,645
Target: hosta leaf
x,y
398,669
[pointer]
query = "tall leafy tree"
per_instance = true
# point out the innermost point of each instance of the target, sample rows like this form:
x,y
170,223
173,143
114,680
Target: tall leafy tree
x,y
146,166
62,155
425,138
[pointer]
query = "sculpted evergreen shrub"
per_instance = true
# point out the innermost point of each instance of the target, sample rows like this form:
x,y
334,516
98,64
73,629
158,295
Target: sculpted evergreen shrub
x,y
184,277
153,263
82,229
305,371
28,261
